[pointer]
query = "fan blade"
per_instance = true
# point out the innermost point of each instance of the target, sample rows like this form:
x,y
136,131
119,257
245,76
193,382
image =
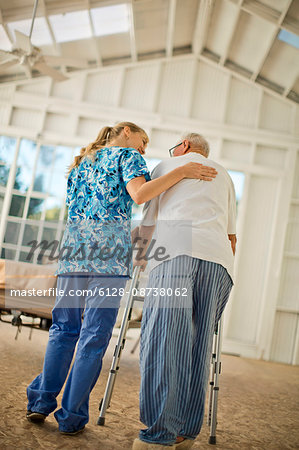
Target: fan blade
x,y
70,62
47,70
23,42
7,64
6,55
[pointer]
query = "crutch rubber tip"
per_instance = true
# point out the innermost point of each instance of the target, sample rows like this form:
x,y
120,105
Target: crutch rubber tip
x,y
212,440
101,421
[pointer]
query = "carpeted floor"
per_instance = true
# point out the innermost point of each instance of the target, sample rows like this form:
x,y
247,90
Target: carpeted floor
x,y
258,402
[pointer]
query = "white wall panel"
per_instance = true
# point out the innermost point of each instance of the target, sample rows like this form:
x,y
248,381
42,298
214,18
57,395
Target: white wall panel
x,y
289,292
296,179
292,238
4,114
296,127
294,212
6,92
66,89
254,244
284,337
26,118
242,103
36,87
103,87
270,156
236,151
275,114
140,87
209,93
89,128
176,87
58,123
164,139
114,45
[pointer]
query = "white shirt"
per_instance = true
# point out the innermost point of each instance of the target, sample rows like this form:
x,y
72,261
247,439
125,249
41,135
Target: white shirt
x,y
194,217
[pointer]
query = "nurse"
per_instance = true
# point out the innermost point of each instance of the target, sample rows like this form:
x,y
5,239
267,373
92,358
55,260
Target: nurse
x,y
93,267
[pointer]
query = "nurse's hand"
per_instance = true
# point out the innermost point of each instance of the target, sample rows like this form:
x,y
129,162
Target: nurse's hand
x,y
199,171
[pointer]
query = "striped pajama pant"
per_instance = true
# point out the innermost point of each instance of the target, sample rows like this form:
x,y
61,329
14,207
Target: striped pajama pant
x,y
180,312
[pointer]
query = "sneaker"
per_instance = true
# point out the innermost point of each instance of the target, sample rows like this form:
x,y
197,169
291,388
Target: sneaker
x,y
72,433
34,416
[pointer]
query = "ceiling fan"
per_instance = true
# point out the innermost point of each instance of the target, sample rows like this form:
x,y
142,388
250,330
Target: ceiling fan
x,y
32,58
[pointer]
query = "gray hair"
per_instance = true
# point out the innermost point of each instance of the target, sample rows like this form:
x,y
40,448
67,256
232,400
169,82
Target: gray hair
x,y
198,141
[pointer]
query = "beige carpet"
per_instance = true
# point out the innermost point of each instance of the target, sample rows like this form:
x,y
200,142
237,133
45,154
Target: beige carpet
x,y
258,402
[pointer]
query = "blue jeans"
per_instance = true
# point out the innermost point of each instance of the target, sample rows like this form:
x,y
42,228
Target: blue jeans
x,y
93,335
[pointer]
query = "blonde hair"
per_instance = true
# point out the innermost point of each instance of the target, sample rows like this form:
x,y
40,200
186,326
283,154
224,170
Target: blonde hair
x,y
105,136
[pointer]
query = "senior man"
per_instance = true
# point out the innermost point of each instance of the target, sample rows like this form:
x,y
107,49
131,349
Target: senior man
x,y
189,285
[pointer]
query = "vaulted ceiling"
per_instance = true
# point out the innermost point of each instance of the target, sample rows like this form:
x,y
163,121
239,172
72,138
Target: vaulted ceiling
x,y
259,39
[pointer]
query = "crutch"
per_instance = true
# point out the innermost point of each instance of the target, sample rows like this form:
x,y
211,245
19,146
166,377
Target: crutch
x,y
105,402
214,382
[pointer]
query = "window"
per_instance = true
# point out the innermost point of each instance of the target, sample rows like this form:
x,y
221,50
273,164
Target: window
x,y
110,19
71,26
12,232
36,206
1,201
8,253
238,180
17,205
53,207
7,150
38,195
43,169
25,164
30,234
289,38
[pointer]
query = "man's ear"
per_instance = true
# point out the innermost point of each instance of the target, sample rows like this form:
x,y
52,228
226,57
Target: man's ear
x,y
186,145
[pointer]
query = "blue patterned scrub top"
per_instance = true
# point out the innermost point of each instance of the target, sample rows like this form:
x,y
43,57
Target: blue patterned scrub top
x,y
97,237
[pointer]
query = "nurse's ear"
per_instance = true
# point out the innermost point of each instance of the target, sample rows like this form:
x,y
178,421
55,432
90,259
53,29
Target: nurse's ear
x,y
127,132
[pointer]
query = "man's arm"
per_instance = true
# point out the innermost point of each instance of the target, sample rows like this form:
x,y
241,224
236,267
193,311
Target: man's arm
x,y
141,244
233,242
232,216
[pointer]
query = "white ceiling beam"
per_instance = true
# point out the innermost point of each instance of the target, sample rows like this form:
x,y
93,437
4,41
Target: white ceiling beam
x,y
290,86
272,40
94,37
291,24
56,46
132,32
12,14
203,18
27,70
232,32
263,60
256,8
170,27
